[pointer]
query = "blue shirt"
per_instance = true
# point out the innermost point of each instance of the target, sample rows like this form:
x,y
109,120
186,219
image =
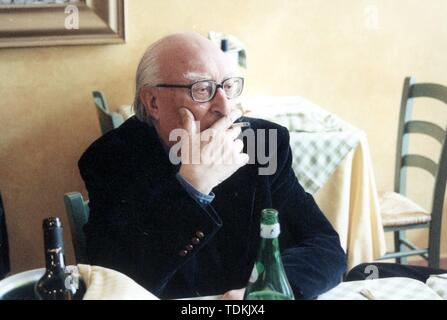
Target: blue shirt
x,y
193,192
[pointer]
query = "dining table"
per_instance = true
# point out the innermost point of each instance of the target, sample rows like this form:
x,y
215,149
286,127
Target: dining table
x,y
332,162
107,284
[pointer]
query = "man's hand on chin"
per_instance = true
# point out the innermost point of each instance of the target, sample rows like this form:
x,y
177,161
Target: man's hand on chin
x,y
237,294
219,155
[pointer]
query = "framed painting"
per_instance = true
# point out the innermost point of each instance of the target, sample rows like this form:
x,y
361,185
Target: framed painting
x,y
35,23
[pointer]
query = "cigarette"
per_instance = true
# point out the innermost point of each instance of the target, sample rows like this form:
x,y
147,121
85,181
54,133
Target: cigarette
x,y
240,125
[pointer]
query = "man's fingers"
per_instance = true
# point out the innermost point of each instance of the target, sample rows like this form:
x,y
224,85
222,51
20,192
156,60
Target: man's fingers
x,y
218,137
234,295
234,133
242,159
190,146
188,121
225,122
232,153
238,145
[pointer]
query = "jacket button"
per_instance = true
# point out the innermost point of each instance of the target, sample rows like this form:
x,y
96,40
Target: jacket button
x,y
183,253
195,240
200,234
189,247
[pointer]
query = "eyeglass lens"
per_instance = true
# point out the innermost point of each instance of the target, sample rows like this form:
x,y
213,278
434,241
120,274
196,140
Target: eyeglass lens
x,y
205,90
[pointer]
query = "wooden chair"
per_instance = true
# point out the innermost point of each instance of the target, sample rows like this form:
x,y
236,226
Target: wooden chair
x,y
78,213
107,120
399,213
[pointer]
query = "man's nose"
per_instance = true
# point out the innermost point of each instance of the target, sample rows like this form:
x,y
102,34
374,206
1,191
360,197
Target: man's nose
x,y
221,103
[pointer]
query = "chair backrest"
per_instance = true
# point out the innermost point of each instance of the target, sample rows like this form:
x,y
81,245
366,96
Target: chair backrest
x,y
407,126
107,120
78,213
100,100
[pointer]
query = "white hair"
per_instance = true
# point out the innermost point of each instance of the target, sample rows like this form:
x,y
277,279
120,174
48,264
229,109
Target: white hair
x,y
148,74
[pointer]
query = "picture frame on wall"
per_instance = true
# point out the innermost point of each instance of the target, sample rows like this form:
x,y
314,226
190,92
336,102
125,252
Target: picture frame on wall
x,y
37,23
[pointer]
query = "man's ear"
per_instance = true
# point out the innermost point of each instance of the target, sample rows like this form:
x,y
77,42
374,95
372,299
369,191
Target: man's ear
x,y
147,96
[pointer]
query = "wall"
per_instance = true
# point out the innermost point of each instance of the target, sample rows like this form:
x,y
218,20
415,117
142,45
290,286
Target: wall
x,y
349,56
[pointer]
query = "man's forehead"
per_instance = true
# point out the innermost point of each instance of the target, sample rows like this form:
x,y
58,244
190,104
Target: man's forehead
x,y
197,76
196,65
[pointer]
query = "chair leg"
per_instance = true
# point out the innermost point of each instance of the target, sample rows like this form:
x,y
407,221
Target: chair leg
x,y
433,250
398,246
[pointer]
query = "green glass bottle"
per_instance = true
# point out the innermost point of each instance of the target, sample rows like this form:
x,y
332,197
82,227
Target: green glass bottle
x,y
268,280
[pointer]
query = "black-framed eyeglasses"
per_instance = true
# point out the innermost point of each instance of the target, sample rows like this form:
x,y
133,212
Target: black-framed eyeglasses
x,y
205,90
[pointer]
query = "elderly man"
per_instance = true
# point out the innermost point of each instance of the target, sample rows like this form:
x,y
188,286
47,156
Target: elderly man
x,y
192,228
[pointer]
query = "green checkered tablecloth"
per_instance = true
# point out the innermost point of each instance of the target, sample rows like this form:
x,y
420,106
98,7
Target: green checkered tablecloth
x,y
317,155
319,139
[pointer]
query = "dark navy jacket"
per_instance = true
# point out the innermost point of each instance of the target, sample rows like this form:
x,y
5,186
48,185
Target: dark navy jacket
x,y
144,224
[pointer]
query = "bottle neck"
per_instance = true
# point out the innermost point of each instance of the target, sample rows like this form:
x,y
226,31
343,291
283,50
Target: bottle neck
x,y
54,250
55,261
269,251
269,248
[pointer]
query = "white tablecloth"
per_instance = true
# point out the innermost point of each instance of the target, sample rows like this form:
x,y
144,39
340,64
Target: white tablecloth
x,y
350,201
107,284
382,289
103,283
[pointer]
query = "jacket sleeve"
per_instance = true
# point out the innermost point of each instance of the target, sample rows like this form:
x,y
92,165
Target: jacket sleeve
x,y
312,255
146,240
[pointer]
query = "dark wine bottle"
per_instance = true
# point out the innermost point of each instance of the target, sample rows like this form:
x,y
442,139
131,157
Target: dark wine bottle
x,y
53,284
